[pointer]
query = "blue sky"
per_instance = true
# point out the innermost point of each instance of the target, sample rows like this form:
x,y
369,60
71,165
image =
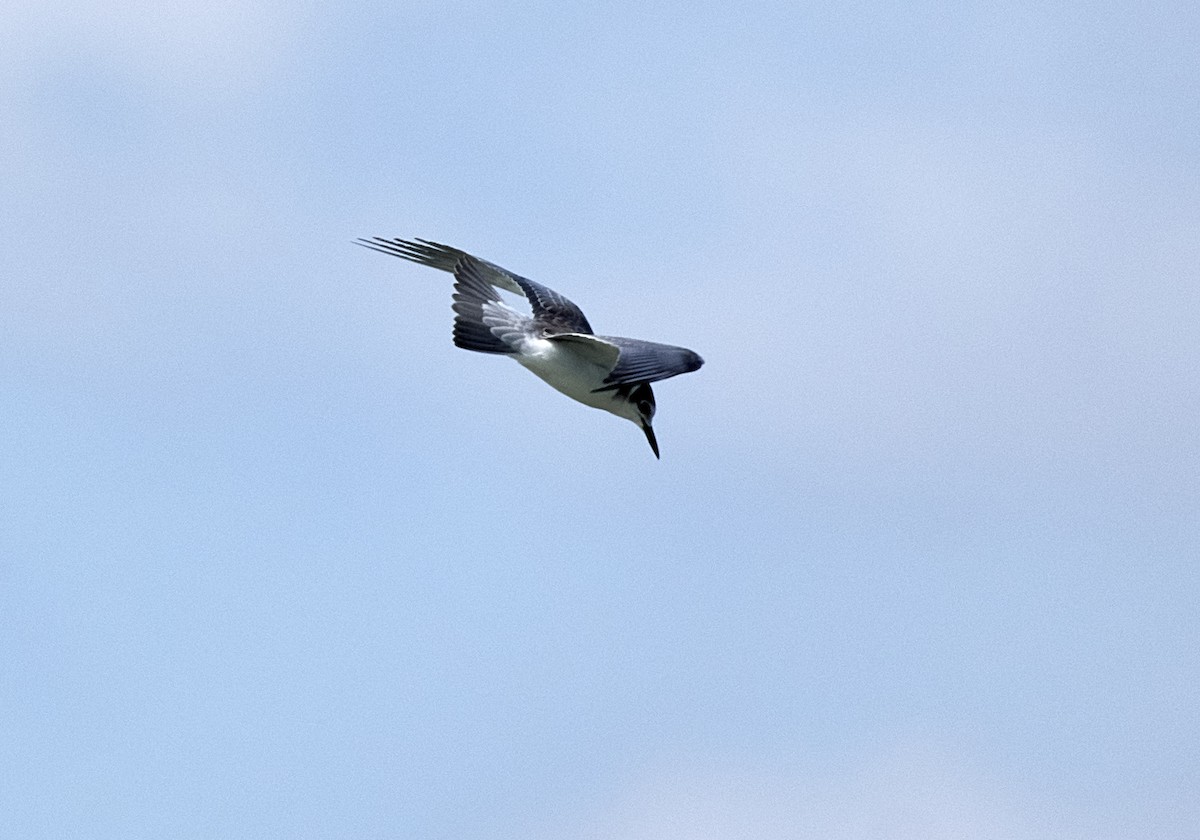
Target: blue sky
x,y
919,561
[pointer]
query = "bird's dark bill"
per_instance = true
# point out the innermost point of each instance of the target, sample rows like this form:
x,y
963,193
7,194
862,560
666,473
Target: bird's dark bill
x,y
650,437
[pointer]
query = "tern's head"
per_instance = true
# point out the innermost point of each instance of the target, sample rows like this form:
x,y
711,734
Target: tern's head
x,y
641,400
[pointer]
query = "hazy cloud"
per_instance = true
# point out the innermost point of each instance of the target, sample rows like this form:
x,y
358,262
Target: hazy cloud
x,y
913,793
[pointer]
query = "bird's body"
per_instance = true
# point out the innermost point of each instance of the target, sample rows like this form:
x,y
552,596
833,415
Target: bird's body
x,y
568,372
555,342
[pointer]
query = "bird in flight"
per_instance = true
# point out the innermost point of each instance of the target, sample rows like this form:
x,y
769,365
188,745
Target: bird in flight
x,y
556,342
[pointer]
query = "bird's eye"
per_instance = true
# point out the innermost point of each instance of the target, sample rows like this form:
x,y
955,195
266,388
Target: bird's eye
x,y
645,409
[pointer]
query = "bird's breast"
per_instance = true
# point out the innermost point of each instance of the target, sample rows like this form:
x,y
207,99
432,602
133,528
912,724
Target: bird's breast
x,y
568,372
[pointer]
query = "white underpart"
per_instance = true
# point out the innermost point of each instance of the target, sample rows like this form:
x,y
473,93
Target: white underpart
x,y
565,370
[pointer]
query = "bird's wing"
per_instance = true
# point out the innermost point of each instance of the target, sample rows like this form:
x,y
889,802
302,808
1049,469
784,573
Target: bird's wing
x,y
632,361
441,257
553,311
646,361
596,350
482,322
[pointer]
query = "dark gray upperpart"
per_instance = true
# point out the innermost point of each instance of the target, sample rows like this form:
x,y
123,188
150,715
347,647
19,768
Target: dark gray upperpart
x,y
471,330
553,312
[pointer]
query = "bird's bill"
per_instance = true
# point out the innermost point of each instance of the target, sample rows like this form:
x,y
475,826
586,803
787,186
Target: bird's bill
x,y
650,437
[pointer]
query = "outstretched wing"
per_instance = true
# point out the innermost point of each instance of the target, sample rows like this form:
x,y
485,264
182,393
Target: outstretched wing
x,y
633,361
592,349
647,361
482,322
553,312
